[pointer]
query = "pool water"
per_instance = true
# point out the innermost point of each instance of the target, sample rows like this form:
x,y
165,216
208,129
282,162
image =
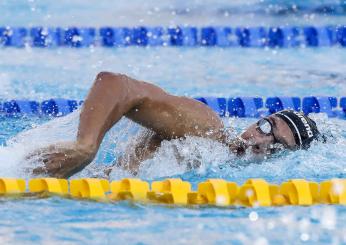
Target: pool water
x,y
41,74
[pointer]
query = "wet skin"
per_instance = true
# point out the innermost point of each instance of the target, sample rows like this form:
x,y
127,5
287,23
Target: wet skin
x,y
113,96
261,143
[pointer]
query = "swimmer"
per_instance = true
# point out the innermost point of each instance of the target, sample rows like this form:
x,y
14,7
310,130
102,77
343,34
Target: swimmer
x,y
114,96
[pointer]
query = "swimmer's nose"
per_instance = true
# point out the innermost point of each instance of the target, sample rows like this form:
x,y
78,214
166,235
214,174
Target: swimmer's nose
x,y
246,136
253,137
255,146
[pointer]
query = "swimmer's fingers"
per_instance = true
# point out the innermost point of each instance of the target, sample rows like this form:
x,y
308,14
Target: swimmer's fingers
x,y
34,154
62,164
60,161
55,148
39,171
40,152
45,157
52,162
52,166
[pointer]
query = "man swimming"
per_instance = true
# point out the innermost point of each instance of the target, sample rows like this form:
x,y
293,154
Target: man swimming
x,y
113,96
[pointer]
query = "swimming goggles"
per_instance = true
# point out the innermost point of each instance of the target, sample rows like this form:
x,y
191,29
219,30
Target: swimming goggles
x,y
265,126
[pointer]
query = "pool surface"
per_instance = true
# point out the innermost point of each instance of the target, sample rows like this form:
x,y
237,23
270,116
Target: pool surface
x,y
41,74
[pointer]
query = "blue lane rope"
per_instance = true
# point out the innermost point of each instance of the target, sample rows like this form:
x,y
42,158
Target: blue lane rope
x,y
225,107
77,37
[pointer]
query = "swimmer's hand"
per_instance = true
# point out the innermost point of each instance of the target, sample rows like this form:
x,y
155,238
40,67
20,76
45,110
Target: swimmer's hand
x,y
62,160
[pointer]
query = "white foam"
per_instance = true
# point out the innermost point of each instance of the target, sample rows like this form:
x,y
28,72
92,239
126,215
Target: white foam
x,y
179,156
192,156
12,156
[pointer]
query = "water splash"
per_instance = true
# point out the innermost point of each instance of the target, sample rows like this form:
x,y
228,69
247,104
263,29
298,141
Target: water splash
x,y
190,158
13,153
179,156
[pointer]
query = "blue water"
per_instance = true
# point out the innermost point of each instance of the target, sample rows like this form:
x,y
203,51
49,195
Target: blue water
x,y
41,74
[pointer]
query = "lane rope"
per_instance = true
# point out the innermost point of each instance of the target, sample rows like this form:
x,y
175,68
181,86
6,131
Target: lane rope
x,y
179,36
226,107
212,192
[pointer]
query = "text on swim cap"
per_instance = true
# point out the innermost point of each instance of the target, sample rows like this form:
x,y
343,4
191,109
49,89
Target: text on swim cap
x,y
306,125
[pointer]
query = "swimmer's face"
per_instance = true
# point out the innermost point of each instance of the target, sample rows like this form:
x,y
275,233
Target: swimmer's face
x,y
268,136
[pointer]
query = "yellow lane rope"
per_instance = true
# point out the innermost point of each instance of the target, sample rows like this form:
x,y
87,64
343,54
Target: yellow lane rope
x,y
214,192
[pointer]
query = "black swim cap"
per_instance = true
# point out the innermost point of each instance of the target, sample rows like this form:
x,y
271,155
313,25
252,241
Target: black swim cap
x,y
303,128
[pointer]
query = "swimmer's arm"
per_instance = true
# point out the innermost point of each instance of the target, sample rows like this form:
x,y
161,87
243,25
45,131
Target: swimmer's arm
x,y
113,96
140,149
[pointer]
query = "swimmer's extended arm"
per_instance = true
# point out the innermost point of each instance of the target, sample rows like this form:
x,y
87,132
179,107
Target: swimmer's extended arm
x,y
113,96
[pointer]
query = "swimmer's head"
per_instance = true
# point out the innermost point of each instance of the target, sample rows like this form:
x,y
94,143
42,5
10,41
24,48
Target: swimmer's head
x,y
285,129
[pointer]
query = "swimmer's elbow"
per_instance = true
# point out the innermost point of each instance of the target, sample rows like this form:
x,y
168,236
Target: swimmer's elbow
x,y
121,86
105,76
113,82
130,89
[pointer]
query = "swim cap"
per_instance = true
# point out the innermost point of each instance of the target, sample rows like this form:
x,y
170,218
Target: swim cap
x,y
303,128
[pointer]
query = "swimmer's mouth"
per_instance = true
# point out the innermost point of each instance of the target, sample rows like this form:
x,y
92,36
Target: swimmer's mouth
x,y
239,147
240,151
